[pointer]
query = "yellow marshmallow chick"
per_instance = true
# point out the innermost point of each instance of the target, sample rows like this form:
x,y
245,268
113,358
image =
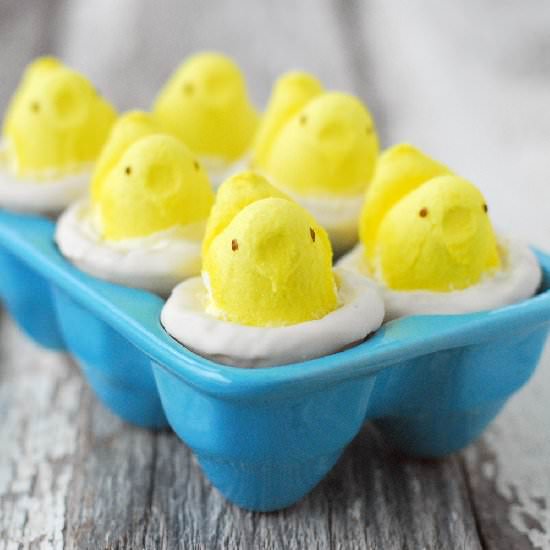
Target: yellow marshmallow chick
x,y
438,237
324,157
271,266
53,131
399,170
206,104
435,251
268,294
157,184
144,226
291,92
128,128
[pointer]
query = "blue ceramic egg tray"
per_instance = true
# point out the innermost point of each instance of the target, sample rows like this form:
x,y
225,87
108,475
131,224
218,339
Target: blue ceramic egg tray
x,y
266,437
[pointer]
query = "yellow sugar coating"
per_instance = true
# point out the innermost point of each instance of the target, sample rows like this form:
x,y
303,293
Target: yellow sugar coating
x,y
233,195
400,169
155,185
328,148
56,121
438,237
291,92
129,128
206,104
271,266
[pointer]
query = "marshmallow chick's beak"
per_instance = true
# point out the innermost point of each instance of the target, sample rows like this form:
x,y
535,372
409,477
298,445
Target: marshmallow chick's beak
x,y
270,266
206,104
438,237
156,184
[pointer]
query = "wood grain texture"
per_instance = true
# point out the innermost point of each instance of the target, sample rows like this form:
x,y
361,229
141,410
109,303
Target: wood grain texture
x,y
113,486
74,476
509,470
39,401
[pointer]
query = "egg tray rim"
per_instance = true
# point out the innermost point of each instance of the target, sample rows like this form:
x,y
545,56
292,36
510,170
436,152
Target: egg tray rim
x,y
30,239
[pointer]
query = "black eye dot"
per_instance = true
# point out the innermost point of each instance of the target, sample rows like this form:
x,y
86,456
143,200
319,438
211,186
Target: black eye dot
x,y
423,212
188,88
303,120
128,170
35,107
485,208
196,165
234,245
312,234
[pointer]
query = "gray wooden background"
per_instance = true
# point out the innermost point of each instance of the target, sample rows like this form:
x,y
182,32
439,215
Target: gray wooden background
x,y
470,82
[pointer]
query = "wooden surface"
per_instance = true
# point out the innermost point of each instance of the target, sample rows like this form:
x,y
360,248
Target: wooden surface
x,y
469,82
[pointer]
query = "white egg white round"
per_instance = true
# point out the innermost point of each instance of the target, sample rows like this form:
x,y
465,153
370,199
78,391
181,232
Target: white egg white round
x,y
186,319
47,193
518,279
156,263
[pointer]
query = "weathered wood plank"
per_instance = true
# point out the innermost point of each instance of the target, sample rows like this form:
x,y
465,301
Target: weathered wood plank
x,y
39,391
39,400
380,499
109,497
510,473
372,499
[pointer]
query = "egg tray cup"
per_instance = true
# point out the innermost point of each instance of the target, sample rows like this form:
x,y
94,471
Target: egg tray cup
x,y
266,437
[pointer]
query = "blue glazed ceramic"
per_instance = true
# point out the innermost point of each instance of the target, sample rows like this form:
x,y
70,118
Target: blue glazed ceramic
x,y
266,437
